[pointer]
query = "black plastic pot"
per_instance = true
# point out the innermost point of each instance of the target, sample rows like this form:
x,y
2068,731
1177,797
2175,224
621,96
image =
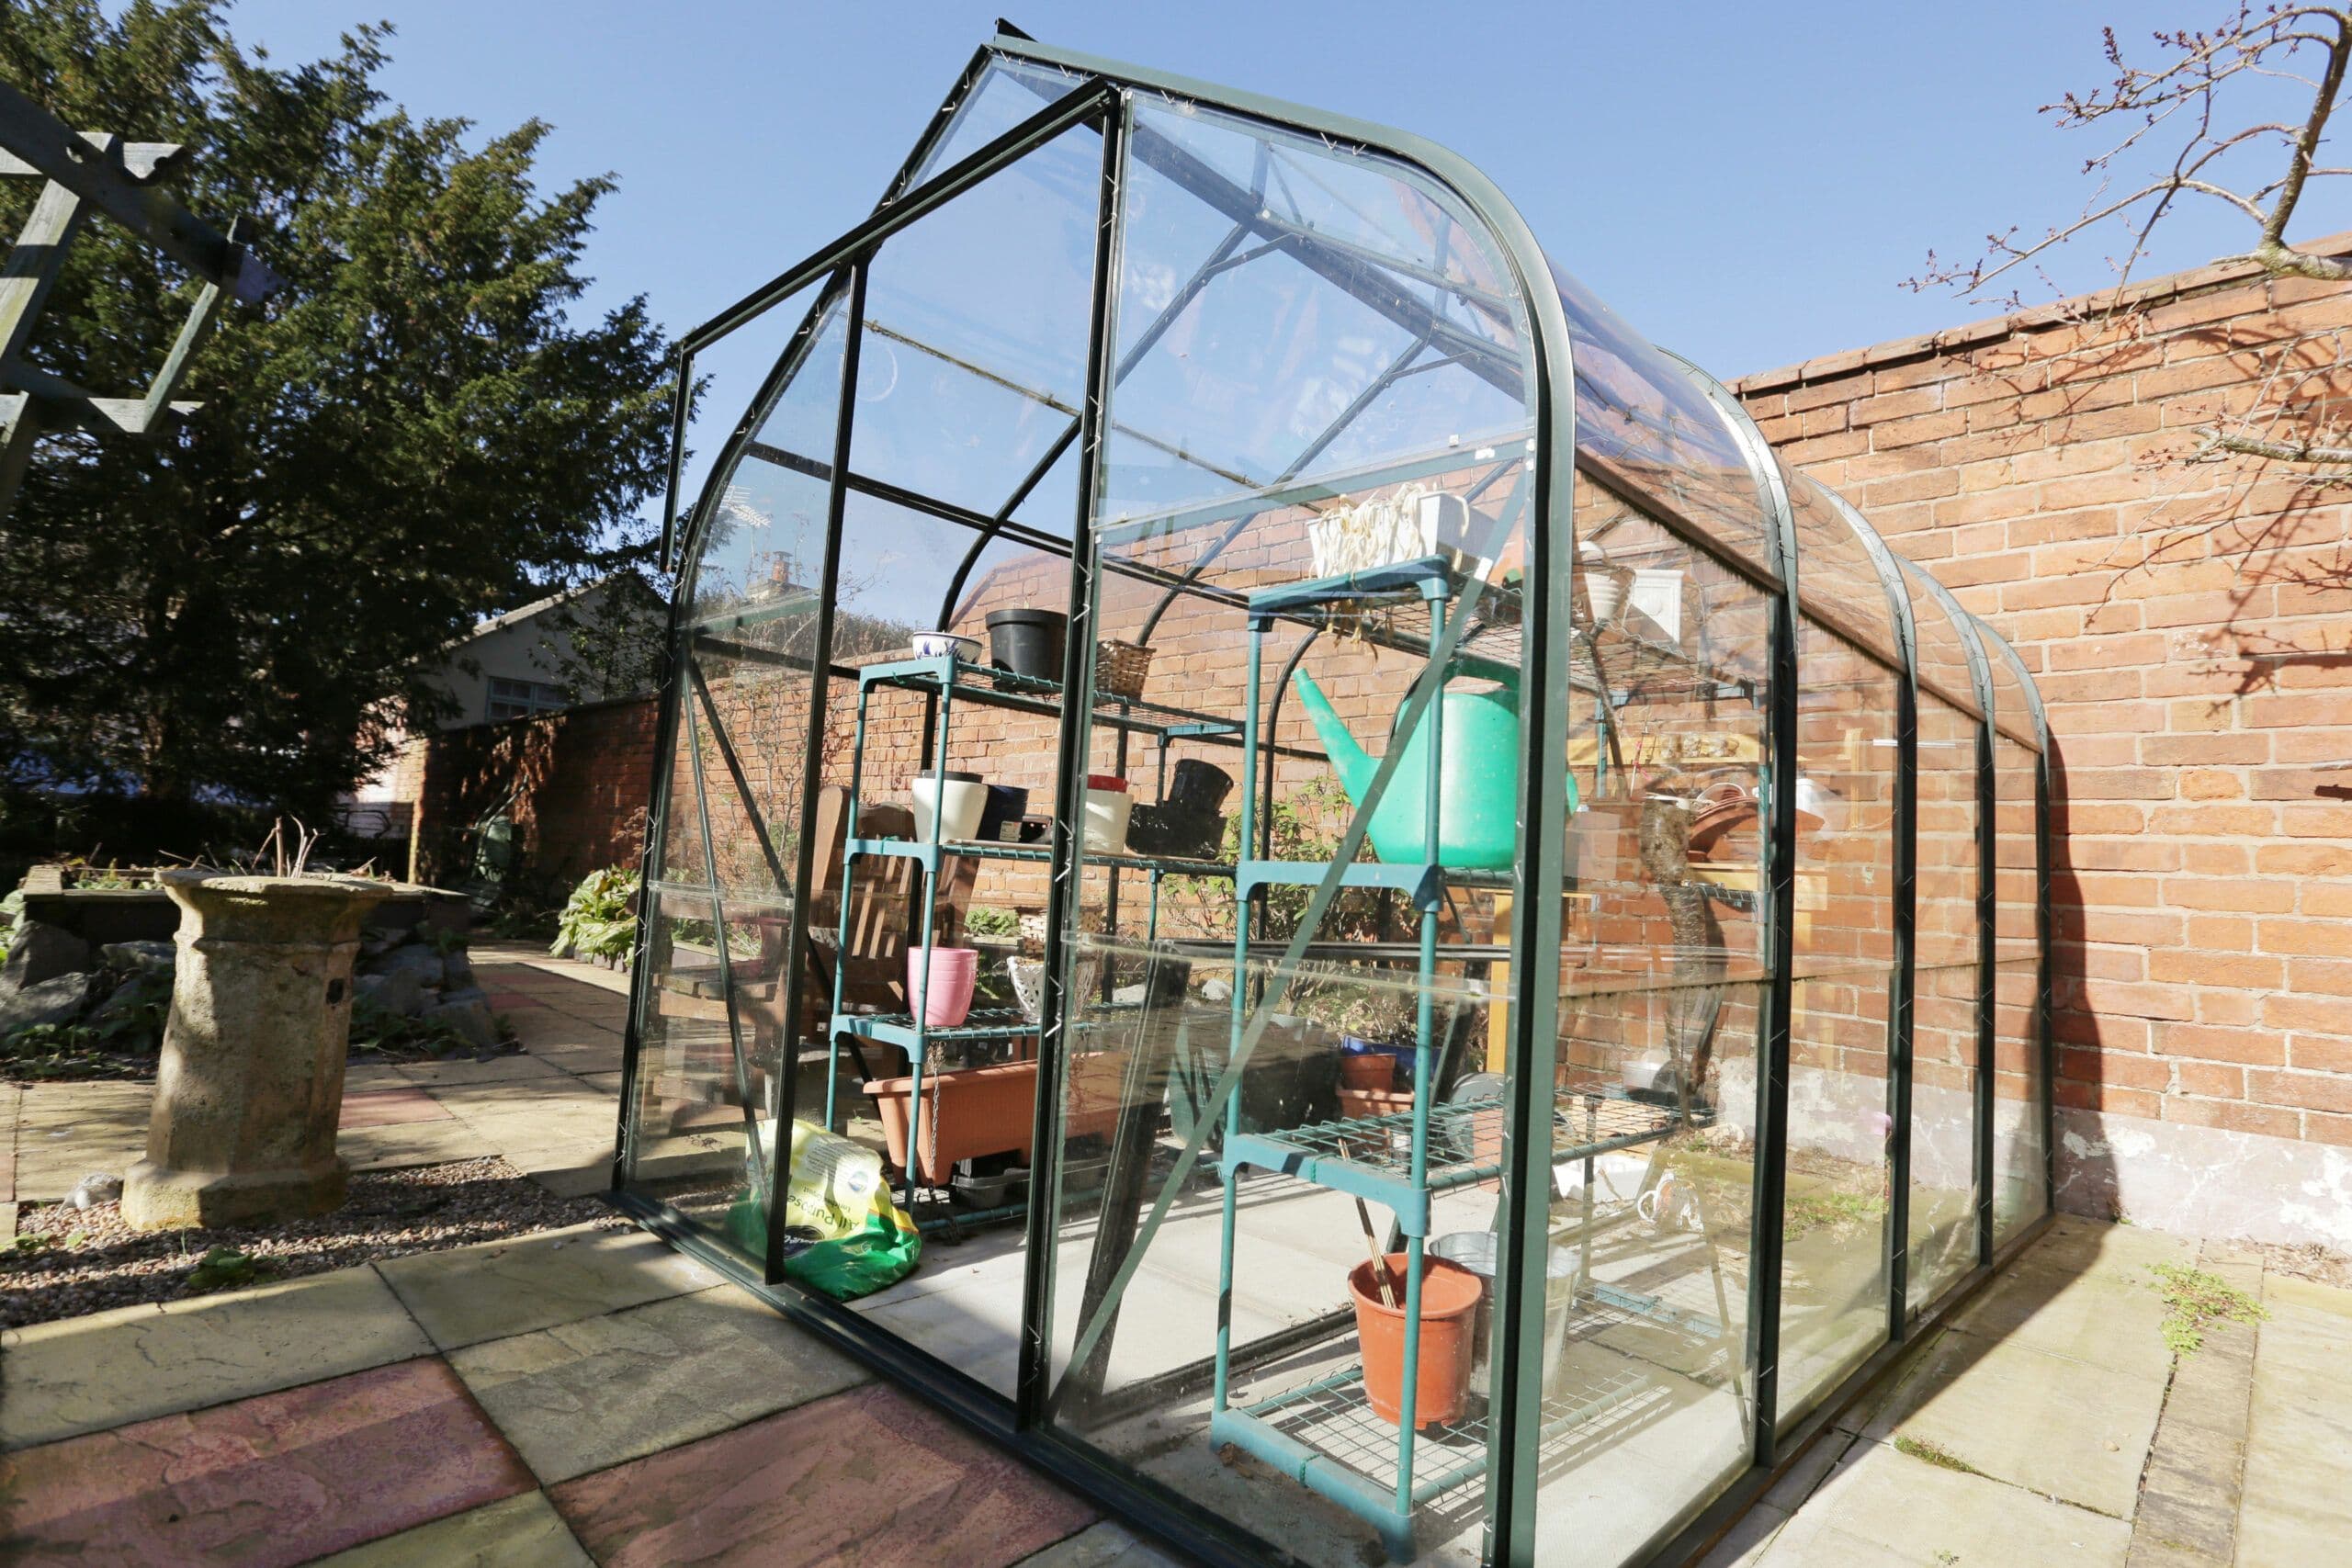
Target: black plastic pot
x,y
1028,642
1199,787
1007,804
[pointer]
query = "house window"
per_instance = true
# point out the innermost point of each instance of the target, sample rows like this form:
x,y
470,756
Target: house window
x,y
519,699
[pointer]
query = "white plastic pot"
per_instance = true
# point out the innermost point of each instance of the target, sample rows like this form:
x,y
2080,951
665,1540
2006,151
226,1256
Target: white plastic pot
x,y
1108,807
967,797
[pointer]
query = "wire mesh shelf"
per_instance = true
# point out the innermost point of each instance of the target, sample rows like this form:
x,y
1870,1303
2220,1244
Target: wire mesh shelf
x,y
898,1028
1466,1138
1390,606
991,687
1591,1392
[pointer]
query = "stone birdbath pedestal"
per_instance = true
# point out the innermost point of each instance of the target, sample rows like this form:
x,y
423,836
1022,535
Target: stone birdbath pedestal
x,y
250,1087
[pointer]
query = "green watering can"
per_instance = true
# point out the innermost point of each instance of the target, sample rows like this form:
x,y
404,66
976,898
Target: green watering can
x,y
1476,826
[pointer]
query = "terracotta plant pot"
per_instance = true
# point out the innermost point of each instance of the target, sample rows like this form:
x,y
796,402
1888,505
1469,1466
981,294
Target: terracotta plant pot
x,y
973,1112
1449,1297
1368,1069
1355,1103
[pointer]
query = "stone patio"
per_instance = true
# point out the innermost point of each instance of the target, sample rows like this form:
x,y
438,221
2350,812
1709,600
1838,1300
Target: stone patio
x,y
591,1396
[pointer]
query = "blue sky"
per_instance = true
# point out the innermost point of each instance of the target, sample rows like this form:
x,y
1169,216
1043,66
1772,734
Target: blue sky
x,y
1745,183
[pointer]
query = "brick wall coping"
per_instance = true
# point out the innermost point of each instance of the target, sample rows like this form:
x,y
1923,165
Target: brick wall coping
x,y
2042,318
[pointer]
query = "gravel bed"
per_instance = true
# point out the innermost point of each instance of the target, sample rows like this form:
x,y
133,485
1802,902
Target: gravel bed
x,y
66,1263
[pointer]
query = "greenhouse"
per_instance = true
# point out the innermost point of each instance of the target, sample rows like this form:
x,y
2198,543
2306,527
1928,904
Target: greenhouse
x,y
1288,869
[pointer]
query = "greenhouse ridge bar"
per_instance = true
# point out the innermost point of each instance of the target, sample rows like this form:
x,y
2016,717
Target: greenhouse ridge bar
x,y
1292,873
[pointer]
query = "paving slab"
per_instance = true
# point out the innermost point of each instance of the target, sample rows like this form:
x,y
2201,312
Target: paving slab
x,y
1106,1545
868,1477
513,1001
2111,1317
539,1094
467,1069
2297,1509
389,1107
405,1144
2078,1247
574,1172
540,1028
520,1533
552,1118
583,1056
85,1374
1750,1536
1883,1507
2069,1429
605,1083
585,1396
66,1131
273,1480
499,1288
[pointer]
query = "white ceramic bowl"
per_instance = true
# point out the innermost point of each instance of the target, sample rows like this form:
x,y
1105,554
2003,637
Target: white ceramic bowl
x,y
939,645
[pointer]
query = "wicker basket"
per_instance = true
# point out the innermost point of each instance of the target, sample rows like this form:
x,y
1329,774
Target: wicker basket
x,y
1120,667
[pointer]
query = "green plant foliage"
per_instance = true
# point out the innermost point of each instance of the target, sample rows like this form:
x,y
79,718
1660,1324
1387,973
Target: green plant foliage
x,y
1308,826
418,428
1934,1453
1840,1213
224,1269
2194,1301
377,1030
596,921
13,906
986,919
442,940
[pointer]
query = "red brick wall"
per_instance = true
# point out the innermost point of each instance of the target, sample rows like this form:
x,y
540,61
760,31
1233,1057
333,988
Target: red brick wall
x,y
577,780
2187,626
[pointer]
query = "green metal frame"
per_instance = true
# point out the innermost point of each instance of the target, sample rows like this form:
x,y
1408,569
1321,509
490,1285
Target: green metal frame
x,y
1536,1137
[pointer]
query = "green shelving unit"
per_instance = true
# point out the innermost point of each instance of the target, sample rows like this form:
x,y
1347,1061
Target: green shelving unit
x,y
1324,1433
949,682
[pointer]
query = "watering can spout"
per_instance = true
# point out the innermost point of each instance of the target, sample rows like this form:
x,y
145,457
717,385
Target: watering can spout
x,y
1350,761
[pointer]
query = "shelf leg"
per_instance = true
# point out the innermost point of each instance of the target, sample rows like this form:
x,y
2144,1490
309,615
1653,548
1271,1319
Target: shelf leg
x,y
841,892
1229,1176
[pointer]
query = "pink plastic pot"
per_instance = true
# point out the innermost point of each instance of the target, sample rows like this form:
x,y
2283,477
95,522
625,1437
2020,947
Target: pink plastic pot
x,y
941,989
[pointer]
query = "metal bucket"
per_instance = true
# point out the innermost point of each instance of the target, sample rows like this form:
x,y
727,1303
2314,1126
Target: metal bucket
x,y
1475,1250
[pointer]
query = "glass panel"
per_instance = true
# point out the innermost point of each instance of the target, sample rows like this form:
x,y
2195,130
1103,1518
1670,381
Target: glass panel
x,y
1836,582
762,549
712,1034
1654,1147
1287,314
1317,376
918,751
975,352
1653,434
1833,1286
709,1039
1945,960
731,374
1007,92
2020,1189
